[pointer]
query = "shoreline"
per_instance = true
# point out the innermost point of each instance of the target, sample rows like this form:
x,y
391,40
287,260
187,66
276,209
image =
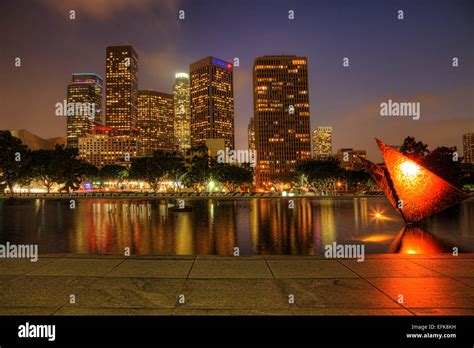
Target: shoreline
x,y
182,195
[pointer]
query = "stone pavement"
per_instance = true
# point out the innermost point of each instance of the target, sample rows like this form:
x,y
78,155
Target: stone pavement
x,y
255,285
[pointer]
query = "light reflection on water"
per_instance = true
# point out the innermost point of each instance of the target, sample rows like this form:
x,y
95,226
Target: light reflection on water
x,y
215,227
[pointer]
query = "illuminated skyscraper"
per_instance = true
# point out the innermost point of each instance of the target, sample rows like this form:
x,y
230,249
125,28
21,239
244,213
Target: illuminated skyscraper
x,y
251,134
155,122
182,113
468,147
121,88
281,111
212,101
84,105
322,142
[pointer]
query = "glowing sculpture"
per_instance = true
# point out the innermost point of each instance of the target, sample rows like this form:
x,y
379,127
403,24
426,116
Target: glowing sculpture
x,y
412,189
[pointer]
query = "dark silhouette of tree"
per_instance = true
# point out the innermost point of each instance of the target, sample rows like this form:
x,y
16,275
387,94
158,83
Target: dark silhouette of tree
x,y
230,175
443,162
416,150
158,168
15,161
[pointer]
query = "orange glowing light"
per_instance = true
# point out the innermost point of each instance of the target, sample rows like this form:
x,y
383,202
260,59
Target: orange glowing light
x,y
410,169
412,189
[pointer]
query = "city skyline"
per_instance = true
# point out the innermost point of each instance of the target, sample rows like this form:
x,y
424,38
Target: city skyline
x,y
393,63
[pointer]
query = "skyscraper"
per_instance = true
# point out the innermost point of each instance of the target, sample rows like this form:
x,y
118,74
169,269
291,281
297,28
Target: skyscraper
x,y
281,111
182,113
212,101
468,147
322,142
251,134
121,88
84,105
155,122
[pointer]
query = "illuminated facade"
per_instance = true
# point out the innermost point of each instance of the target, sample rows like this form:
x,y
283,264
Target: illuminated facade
x,y
251,134
212,101
155,122
412,189
86,88
104,146
121,88
281,111
350,159
468,147
182,113
322,142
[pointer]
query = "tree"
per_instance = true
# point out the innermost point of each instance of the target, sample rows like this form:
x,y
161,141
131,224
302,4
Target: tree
x,y
45,167
231,176
15,161
443,162
416,150
157,168
113,172
72,171
357,180
319,175
197,168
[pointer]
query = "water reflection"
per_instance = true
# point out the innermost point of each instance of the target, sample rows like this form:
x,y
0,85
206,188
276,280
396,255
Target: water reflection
x,y
255,226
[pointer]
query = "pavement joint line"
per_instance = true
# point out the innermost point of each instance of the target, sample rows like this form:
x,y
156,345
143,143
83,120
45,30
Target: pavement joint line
x,y
442,274
181,289
380,290
269,268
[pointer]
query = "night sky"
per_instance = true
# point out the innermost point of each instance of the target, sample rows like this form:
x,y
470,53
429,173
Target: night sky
x,y
407,60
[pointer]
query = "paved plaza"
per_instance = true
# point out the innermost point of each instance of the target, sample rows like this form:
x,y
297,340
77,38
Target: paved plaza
x,y
389,284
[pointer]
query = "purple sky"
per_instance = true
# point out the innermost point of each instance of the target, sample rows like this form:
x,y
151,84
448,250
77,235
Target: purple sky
x,y
407,60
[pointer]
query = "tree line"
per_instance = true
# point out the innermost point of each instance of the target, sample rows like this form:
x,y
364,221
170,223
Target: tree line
x,y
62,166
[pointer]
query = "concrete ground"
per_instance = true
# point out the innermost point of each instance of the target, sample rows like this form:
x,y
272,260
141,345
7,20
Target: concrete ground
x,y
257,285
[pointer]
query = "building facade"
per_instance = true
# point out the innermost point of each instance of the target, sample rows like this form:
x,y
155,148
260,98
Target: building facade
x,y
84,105
251,134
182,113
121,88
155,122
104,146
212,101
468,147
282,118
350,159
322,142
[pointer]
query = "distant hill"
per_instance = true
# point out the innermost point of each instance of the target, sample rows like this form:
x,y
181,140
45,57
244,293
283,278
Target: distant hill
x,y
35,142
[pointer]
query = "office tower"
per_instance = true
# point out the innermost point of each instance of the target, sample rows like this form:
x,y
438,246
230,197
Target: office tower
x,y
84,105
212,101
155,122
104,146
251,134
281,111
468,147
121,88
182,113
322,142
350,159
